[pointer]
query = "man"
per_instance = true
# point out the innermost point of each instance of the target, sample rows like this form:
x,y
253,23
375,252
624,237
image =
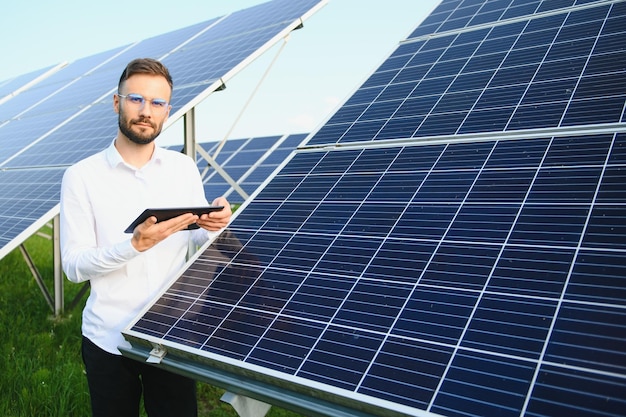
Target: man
x,y
100,196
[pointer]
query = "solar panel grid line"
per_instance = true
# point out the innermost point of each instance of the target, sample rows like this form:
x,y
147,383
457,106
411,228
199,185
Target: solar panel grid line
x,y
505,124
521,98
438,101
402,308
565,286
470,318
326,325
576,85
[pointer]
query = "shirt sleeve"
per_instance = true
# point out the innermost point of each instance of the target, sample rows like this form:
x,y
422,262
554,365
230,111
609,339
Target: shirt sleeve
x,y
80,257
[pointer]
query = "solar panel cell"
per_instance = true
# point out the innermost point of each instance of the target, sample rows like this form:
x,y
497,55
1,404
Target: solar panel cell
x,y
525,272
413,364
286,343
602,344
601,285
483,384
585,394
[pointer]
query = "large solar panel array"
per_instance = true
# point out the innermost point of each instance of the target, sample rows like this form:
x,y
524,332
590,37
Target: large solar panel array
x,y
451,242
68,116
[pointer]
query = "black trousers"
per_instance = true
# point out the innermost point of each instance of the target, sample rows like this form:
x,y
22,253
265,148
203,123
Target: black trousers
x,y
116,384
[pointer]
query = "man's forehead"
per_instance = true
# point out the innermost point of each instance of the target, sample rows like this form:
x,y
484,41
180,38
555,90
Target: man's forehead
x,y
148,82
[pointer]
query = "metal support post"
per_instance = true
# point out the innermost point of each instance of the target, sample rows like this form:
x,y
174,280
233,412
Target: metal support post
x,y
59,295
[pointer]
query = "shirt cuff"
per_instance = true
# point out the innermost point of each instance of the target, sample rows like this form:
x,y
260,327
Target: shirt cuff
x,y
126,250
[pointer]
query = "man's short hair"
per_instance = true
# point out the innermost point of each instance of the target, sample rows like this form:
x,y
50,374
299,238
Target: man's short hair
x,y
145,66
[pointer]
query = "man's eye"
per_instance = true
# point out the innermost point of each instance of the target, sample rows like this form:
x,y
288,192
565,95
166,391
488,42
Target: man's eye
x,y
159,103
136,99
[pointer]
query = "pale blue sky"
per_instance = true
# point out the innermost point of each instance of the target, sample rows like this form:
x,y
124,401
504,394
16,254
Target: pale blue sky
x,y
321,65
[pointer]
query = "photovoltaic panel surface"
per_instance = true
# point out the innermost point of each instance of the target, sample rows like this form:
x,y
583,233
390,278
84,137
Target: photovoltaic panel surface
x,y
447,278
440,267
39,190
68,116
51,101
547,71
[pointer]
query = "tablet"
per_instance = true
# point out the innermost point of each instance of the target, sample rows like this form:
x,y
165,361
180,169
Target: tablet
x,y
168,213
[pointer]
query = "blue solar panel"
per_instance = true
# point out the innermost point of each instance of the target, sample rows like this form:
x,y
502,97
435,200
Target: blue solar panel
x,y
544,72
48,101
68,116
450,243
489,266
39,190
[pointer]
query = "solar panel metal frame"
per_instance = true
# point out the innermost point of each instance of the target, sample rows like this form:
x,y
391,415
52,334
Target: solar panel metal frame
x,y
11,88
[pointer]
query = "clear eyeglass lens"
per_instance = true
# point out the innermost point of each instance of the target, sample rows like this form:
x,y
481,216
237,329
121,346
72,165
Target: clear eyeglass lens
x,y
139,100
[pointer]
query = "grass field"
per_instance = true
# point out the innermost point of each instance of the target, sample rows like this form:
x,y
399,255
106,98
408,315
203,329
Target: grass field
x,y
41,372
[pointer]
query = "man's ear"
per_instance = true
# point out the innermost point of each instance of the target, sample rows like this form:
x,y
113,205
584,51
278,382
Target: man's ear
x,y
116,103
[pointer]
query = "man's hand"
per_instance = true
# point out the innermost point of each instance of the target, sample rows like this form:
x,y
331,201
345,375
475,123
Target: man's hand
x,y
216,220
149,233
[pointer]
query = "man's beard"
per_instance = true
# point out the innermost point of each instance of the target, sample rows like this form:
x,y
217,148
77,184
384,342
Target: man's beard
x,y
135,137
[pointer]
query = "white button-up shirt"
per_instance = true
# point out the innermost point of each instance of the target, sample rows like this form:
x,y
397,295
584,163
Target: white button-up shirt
x,y
100,196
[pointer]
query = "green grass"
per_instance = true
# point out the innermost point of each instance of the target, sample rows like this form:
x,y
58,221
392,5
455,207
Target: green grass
x,y
41,371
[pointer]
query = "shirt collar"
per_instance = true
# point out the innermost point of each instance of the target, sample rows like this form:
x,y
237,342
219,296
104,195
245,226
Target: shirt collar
x,y
114,158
